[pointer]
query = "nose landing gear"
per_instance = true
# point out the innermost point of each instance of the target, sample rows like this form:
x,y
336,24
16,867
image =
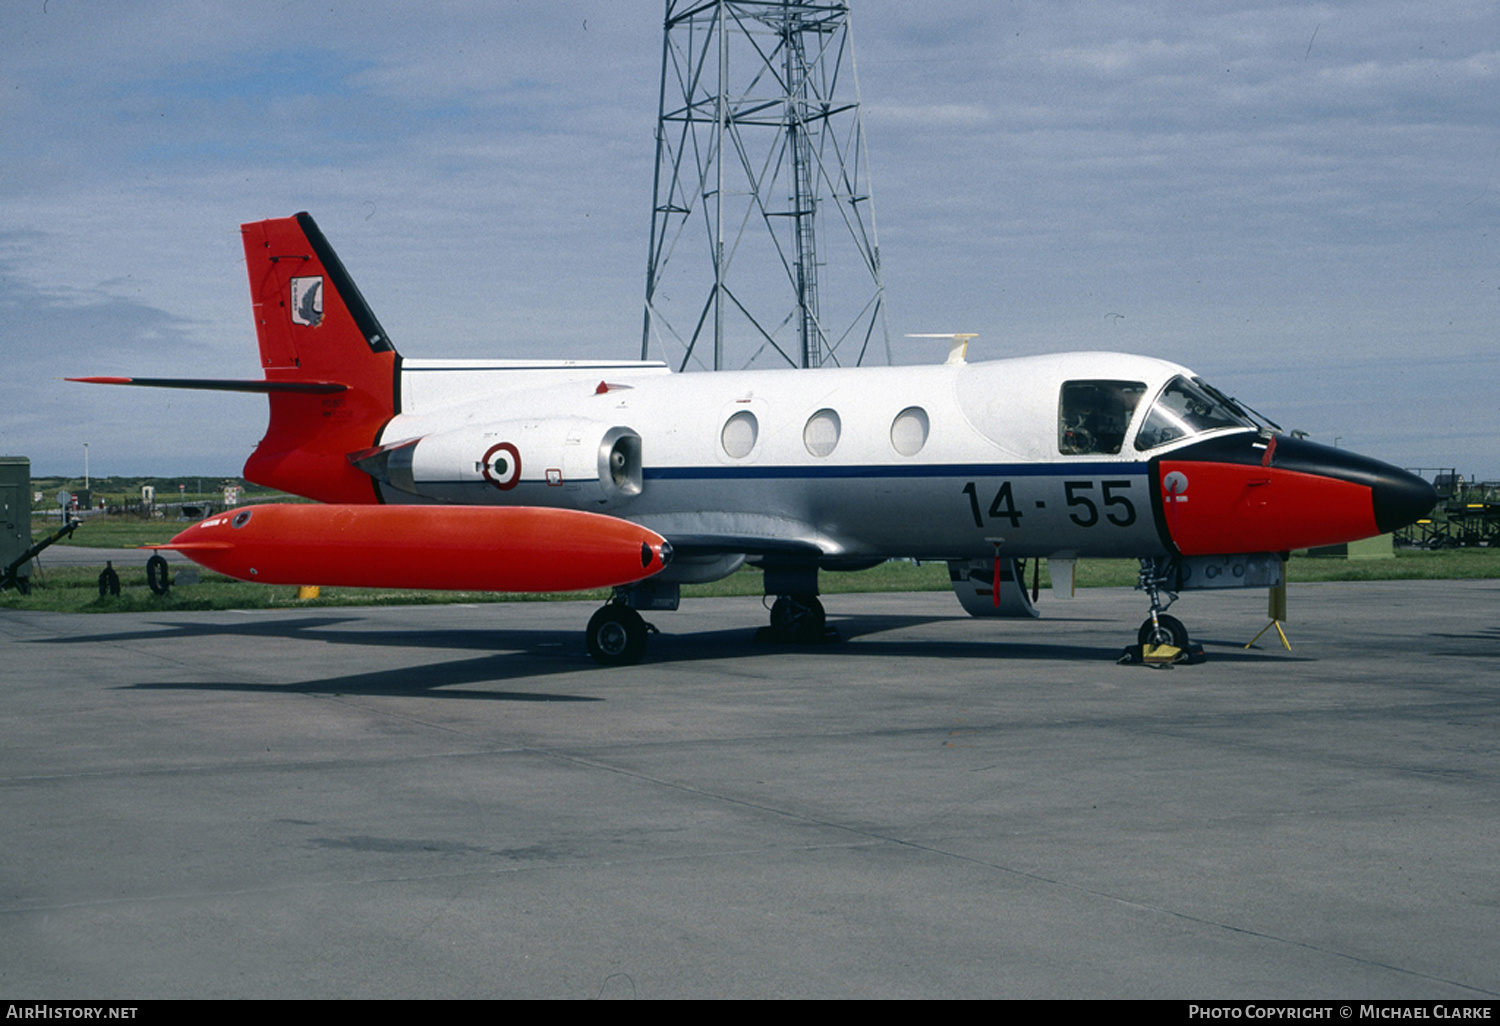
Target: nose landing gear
x,y
1162,640
1164,630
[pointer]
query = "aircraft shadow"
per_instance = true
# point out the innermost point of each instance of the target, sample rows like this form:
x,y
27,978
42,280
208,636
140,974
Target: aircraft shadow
x,y
530,655
436,680
1236,652
999,645
1484,634
171,629
1478,644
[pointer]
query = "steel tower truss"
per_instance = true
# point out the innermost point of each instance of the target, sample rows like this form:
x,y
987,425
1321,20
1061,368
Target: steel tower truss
x,y
761,191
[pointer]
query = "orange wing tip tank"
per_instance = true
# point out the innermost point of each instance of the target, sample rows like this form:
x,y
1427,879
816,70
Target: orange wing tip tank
x,y
444,548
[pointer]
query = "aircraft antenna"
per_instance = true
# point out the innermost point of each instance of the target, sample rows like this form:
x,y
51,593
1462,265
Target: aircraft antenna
x,y
762,192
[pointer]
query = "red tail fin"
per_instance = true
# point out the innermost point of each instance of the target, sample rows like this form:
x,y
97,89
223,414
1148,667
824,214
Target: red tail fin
x,y
314,325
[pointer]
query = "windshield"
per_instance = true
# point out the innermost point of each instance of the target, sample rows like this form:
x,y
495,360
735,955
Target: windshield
x,y
1188,408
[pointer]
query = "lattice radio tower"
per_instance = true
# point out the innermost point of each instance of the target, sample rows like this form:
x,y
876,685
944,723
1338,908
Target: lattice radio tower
x,y
762,192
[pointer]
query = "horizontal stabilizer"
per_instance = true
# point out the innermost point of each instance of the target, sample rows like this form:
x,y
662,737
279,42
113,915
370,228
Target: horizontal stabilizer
x,y
223,385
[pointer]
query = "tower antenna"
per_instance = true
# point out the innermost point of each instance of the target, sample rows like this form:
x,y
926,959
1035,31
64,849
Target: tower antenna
x,y
762,192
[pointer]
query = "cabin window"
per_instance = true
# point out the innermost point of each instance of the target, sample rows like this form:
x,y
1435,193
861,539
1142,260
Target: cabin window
x,y
1187,408
821,435
909,431
1093,416
739,434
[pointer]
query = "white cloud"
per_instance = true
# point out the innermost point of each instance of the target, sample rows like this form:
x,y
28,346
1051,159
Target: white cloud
x,y
940,115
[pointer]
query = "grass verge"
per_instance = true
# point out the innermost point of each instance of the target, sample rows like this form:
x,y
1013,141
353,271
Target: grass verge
x,y
75,589
99,532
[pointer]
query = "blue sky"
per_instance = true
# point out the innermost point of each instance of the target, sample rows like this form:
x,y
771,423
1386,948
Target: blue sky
x,y
1299,201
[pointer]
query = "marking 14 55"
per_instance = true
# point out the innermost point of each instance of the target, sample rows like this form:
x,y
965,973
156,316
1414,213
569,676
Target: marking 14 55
x,y
1083,507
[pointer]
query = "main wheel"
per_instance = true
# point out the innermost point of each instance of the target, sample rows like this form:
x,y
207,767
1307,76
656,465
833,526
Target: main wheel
x,y
798,617
616,636
1170,632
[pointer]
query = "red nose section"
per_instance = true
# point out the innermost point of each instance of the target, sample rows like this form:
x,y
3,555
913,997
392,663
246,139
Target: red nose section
x,y
1227,495
1217,507
456,548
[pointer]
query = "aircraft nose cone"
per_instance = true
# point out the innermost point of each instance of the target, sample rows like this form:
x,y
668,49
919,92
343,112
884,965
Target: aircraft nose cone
x,y
1400,499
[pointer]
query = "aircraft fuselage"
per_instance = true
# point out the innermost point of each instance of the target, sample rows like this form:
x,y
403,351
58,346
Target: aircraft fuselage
x,y
944,461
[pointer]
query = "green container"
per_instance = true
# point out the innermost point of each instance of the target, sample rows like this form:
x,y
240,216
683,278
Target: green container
x,y
15,511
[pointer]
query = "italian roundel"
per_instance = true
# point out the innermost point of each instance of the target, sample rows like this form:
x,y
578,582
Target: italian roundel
x,y
502,466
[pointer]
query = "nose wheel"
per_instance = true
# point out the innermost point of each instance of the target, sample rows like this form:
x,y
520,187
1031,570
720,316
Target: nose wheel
x,y
1162,639
616,636
1166,630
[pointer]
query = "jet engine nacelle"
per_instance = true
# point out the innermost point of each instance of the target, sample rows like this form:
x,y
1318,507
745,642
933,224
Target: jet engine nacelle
x,y
515,463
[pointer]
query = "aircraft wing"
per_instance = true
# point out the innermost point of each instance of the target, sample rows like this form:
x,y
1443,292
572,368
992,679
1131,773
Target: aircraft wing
x,y
750,545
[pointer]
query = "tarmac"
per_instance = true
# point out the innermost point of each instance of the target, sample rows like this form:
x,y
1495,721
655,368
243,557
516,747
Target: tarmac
x,y
453,801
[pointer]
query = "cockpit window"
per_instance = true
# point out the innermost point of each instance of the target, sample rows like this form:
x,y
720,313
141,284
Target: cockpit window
x,y
1093,415
1188,408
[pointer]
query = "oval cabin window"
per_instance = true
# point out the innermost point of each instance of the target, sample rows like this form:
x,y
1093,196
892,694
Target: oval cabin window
x,y
821,435
909,431
739,434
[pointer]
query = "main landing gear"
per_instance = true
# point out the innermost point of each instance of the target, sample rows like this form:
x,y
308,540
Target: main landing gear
x,y
798,618
1162,639
616,636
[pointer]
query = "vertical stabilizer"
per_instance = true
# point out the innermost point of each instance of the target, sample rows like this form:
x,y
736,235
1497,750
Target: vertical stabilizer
x,y
313,325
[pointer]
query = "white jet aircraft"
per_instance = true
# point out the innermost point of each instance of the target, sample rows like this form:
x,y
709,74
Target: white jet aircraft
x,y
980,465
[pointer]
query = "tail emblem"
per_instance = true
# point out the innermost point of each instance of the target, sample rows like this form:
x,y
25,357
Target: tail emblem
x,y
307,301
